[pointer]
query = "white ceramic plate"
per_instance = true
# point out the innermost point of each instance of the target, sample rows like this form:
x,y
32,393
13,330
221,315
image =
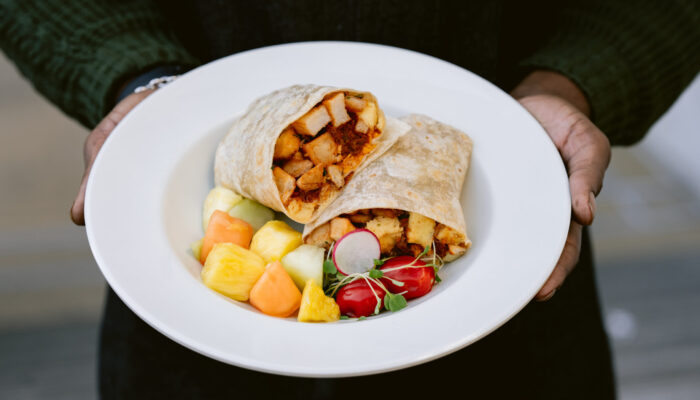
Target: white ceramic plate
x,y
148,183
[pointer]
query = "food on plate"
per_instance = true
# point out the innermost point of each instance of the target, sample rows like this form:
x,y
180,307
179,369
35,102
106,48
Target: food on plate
x,y
274,240
416,277
223,228
218,198
360,298
232,270
252,212
296,148
275,293
316,306
355,251
196,248
305,263
409,198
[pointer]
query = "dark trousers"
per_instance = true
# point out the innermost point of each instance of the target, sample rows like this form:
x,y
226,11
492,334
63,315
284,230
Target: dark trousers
x,y
552,350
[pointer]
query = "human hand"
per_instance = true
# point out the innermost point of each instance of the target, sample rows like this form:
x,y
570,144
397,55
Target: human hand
x,y
562,110
93,144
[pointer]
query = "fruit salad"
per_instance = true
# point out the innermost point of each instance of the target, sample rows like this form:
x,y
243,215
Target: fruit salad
x,y
249,256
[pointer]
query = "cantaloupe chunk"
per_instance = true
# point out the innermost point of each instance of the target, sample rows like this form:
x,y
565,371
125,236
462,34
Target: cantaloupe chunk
x,y
232,270
275,293
224,228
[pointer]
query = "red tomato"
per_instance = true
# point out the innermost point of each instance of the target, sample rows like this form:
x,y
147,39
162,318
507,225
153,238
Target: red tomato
x,y
416,281
357,300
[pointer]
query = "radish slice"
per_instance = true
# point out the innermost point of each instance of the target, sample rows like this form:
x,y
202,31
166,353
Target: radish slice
x,y
356,251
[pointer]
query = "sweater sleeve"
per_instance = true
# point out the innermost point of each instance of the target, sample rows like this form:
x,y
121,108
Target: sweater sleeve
x,y
78,52
632,59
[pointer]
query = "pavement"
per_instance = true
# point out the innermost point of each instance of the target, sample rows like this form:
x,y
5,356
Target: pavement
x,y
646,238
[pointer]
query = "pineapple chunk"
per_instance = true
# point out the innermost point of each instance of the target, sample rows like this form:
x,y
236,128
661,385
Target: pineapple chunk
x,y
420,229
232,270
274,240
316,306
218,198
304,263
314,120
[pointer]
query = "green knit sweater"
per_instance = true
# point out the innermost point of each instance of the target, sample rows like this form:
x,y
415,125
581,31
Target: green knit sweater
x,y
631,58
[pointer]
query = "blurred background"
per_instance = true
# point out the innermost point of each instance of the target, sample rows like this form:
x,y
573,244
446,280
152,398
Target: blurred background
x,y
646,241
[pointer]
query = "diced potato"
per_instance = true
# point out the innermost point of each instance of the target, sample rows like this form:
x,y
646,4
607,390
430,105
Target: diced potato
x,y
322,150
369,115
316,306
387,230
299,210
454,252
336,175
321,236
305,263
196,248
354,104
312,179
447,235
218,198
358,218
297,166
287,144
361,126
335,106
420,229
274,240
232,270
285,184
311,123
252,212
340,226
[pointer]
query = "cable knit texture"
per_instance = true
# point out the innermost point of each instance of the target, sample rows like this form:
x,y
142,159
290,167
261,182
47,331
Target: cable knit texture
x,y
632,59
77,53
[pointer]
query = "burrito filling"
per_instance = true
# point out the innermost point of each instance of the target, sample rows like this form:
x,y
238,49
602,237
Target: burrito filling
x,y
399,233
316,155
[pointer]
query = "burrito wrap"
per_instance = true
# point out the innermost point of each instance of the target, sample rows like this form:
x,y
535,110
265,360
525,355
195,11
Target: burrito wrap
x,y
245,156
422,173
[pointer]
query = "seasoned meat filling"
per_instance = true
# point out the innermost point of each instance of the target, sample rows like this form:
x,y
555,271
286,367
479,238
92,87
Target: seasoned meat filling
x,y
399,232
321,149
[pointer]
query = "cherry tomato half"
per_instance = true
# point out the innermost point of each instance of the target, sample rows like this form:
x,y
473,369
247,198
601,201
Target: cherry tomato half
x,y
416,281
356,299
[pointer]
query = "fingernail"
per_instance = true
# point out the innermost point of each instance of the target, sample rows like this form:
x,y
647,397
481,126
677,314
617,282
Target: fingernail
x,y
591,204
549,296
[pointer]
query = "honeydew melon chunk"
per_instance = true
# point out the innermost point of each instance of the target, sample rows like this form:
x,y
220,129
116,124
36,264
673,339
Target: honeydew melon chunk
x,y
305,263
218,198
252,212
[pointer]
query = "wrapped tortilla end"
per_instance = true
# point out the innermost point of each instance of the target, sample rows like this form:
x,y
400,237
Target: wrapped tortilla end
x,y
311,123
294,130
409,197
336,108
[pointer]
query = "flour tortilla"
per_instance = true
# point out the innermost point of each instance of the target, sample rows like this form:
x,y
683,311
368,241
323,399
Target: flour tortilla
x,y
244,157
423,172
